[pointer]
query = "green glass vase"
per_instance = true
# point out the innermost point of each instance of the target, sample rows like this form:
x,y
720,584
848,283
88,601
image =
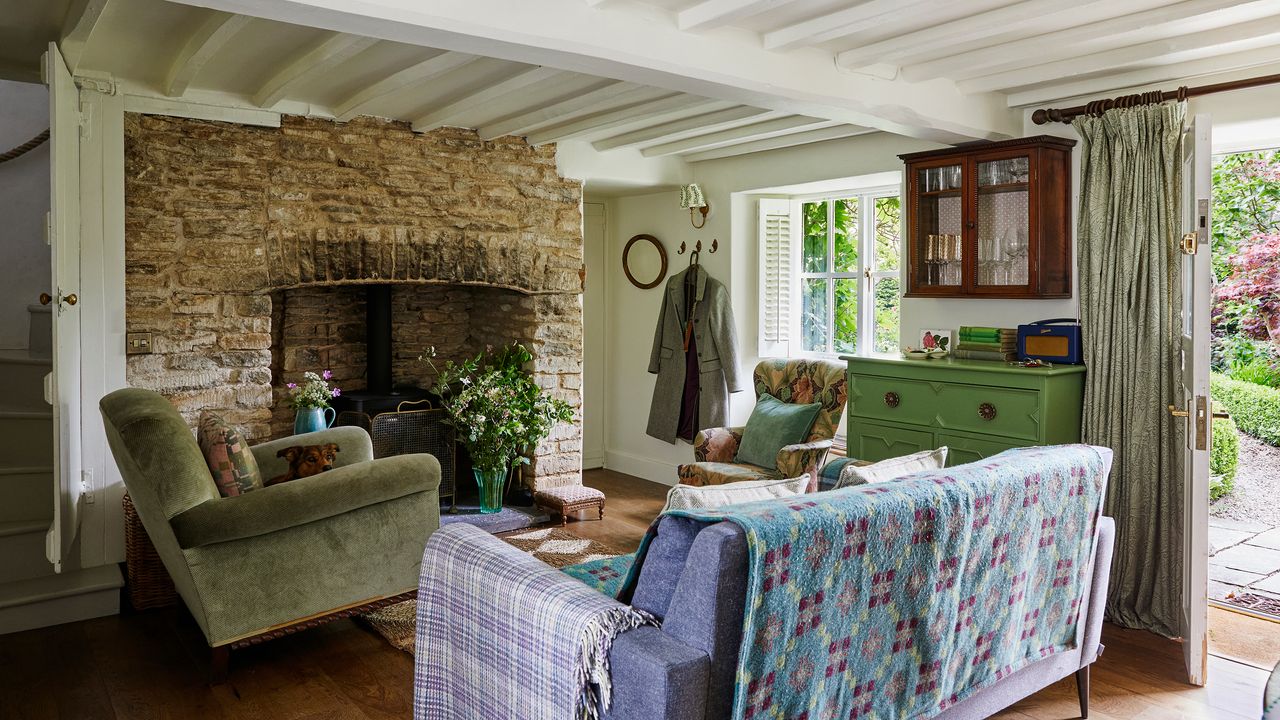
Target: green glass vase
x,y
491,484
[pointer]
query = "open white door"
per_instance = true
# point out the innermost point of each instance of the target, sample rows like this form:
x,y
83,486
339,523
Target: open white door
x,y
62,386
1197,179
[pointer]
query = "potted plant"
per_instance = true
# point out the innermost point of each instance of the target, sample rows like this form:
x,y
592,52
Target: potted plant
x,y
498,411
310,401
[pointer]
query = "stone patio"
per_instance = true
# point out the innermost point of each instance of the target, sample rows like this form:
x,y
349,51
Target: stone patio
x,y
1244,556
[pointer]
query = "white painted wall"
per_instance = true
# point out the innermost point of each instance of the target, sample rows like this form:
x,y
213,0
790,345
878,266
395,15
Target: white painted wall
x,y
24,200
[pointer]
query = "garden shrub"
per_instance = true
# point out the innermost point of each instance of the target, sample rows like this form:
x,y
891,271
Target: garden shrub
x,y
1259,371
1224,455
1255,408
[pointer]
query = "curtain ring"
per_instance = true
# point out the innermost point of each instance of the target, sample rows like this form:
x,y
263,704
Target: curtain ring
x,y
1182,93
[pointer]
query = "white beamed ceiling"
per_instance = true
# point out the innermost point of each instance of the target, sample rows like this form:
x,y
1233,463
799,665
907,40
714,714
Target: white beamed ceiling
x,y
694,79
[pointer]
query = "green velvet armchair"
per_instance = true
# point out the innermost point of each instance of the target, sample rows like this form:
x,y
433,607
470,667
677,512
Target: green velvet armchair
x,y
791,381
287,556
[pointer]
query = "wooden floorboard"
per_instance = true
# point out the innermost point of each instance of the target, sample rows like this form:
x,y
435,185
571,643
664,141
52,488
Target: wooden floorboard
x,y
153,665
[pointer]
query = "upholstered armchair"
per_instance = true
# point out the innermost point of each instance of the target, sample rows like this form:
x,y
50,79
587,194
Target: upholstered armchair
x,y
791,381
284,557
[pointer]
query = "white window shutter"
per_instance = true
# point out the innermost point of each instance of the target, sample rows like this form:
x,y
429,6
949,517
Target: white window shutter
x,y
776,227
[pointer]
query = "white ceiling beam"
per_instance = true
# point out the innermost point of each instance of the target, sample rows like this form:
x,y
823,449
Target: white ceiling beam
x,y
734,136
605,98
207,40
656,110
782,141
77,27
439,117
1162,21
318,59
1193,46
632,43
721,119
1121,83
837,24
431,68
710,14
977,30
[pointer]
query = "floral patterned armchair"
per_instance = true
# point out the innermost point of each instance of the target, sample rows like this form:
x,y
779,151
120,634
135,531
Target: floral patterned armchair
x,y
791,381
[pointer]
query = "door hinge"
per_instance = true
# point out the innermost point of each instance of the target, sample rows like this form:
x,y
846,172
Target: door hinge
x,y
86,486
48,228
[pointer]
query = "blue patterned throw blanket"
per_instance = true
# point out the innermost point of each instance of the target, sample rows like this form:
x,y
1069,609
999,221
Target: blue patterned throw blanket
x,y
503,635
899,599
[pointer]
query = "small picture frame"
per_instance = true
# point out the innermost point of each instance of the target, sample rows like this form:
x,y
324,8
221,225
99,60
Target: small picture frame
x,y
936,340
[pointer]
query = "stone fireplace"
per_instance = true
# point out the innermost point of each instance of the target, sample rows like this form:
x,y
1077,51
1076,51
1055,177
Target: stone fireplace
x,y
252,253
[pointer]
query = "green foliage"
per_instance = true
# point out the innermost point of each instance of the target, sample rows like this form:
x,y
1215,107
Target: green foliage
x,y
1246,192
1259,371
1224,456
496,407
1255,408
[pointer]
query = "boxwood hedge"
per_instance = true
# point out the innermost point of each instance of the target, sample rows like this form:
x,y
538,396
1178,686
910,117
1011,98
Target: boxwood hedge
x,y
1255,408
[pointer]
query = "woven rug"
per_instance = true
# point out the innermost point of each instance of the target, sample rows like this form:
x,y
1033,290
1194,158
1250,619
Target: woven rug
x,y
553,546
1256,603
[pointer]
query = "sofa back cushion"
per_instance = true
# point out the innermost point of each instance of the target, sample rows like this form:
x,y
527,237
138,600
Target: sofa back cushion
x,y
226,452
693,497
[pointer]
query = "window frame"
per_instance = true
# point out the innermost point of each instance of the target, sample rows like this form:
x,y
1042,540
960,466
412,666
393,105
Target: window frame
x,y
864,341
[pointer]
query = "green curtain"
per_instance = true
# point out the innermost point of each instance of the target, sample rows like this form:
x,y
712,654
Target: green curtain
x,y
1130,307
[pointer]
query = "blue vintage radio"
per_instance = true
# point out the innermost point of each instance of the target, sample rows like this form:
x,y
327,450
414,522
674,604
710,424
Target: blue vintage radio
x,y
1056,340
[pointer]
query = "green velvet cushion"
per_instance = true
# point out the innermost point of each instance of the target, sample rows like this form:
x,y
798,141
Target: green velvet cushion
x,y
305,500
233,466
772,426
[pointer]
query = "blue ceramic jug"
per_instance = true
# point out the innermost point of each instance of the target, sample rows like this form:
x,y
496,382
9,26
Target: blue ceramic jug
x,y
313,419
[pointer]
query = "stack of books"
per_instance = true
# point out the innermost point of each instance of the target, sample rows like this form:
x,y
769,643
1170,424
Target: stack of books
x,y
987,343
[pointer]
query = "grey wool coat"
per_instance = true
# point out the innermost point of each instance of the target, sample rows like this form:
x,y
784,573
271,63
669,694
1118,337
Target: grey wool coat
x,y
717,344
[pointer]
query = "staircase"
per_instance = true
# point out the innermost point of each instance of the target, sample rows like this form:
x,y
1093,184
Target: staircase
x,y
31,594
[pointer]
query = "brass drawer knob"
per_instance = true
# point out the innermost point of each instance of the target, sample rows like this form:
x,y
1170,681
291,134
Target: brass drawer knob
x,y
891,399
987,411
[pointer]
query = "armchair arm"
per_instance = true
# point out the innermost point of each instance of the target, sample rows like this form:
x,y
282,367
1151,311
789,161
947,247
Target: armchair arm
x,y
716,444
804,459
305,500
354,445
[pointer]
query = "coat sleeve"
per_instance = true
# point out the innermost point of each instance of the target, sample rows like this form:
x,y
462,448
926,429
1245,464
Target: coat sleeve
x,y
655,355
725,332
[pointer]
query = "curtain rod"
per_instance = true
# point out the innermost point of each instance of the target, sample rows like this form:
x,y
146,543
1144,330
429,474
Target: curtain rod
x,y
1097,107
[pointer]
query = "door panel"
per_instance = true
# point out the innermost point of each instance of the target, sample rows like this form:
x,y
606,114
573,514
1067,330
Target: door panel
x,y
62,387
1196,286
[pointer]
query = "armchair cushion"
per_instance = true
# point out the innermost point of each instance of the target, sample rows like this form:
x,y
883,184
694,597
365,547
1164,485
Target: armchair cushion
x,y
773,425
716,444
804,459
305,500
234,468
717,473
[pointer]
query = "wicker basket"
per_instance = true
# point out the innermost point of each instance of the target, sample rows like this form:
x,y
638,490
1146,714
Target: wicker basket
x,y
147,581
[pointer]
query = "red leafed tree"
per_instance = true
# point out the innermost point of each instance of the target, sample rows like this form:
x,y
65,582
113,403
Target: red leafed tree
x,y
1254,282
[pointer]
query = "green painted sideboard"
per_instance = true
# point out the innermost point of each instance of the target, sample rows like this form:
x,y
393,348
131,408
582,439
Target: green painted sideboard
x,y
976,408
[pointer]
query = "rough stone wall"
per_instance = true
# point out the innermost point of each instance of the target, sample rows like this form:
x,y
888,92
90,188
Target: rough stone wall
x,y
240,240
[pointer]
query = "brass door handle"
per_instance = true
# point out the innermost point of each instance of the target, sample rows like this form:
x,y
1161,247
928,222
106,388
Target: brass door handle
x,y
45,298
70,299
1174,411
1221,415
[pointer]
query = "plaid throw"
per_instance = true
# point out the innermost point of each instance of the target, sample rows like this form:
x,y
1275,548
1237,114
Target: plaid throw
x,y
503,635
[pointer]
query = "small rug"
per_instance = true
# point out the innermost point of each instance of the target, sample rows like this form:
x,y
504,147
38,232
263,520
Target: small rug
x,y
505,520
1256,603
553,546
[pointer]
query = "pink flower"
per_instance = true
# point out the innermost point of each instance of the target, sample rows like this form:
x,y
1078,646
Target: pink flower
x,y
326,375
336,392
291,385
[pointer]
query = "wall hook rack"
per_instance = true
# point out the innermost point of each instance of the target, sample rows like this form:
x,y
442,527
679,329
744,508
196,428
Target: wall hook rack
x,y
684,247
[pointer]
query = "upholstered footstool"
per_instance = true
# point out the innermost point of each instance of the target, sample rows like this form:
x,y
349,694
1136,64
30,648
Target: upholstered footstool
x,y
570,498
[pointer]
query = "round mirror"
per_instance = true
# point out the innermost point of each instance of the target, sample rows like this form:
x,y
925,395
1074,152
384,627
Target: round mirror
x,y
644,257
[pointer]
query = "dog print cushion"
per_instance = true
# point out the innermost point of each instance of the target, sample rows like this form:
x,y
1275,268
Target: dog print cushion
x,y
306,460
234,469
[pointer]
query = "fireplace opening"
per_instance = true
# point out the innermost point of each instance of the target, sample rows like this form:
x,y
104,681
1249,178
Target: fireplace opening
x,y
380,394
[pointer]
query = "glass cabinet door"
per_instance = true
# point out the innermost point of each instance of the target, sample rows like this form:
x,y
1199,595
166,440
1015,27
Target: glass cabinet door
x,y
1003,246
939,227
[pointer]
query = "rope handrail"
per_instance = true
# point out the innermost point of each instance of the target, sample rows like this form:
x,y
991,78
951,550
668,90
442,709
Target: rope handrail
x,y
25,147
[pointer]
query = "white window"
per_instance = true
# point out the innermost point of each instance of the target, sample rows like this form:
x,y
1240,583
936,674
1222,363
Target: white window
x,y
829,273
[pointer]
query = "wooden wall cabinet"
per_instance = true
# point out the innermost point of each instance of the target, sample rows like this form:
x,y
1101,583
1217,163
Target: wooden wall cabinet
x,y
990,220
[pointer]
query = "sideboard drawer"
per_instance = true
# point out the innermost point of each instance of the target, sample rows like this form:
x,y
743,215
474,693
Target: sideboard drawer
x,y
1006,412
872,442
961,449
874,397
